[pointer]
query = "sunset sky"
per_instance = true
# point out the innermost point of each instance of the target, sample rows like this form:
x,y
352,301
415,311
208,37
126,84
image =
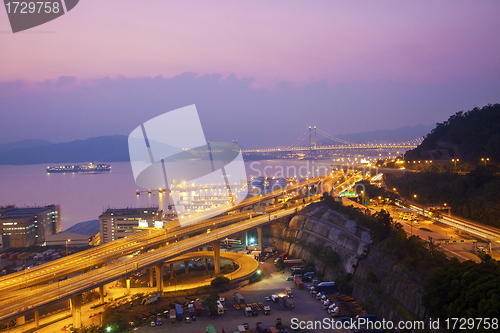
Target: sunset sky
x,y
270,68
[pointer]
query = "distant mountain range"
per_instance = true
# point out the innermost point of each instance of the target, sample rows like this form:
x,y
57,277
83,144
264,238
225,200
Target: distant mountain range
x,y
100,149
115,148
401,134
23,144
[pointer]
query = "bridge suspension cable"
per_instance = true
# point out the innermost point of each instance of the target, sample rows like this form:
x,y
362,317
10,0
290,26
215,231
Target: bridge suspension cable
x,y
300,139
331,137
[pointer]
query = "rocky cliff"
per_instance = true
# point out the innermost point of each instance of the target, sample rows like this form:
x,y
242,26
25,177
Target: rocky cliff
x,y
378,282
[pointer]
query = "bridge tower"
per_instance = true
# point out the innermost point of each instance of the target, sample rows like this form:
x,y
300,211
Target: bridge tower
x,y
312,139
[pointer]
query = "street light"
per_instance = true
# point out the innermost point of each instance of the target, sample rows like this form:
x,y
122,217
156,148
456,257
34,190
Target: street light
x,y
67,241
455,160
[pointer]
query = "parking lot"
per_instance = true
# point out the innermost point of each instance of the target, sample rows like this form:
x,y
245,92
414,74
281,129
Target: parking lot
x,y
306,308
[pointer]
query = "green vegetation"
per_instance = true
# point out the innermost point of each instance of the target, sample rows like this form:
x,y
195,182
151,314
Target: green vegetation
x,y
464,290
329,256
280,264
475,195
211,302
391,238
469,136
220,281
371,277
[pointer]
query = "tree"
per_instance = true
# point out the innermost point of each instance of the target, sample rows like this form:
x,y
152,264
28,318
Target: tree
x,y
219,281
280,264
329,256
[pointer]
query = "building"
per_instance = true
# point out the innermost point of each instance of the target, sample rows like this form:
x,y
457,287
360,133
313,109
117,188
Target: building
x,y
120,223
81,234
28,226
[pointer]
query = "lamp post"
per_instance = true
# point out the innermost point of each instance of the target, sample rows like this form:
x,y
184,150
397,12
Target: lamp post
x,y
455,160
67,241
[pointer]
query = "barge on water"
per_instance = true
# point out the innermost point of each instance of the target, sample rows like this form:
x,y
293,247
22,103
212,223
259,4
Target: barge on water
x,y
91,167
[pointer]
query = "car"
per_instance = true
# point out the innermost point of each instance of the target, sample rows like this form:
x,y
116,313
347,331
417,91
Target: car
x,y
152,324
289,278
158,322
268,299
188,319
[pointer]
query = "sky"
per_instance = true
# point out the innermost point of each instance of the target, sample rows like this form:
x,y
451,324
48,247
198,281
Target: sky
x,y
259,72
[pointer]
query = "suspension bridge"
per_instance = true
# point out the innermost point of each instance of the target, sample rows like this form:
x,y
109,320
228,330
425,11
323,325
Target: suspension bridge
x,y
301,145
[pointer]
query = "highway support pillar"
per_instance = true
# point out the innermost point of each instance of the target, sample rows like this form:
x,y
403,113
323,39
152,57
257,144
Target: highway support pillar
x,y
128,285
216,247
159,277
171,271
259,239
151,280
186,266
76,310
101,294
206,264
20,320
37,319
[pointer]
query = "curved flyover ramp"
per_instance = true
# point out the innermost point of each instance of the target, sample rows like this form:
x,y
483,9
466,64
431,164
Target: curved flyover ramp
x,y
247,266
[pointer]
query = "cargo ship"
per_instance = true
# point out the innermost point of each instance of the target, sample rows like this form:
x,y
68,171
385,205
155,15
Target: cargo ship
x,y
91,167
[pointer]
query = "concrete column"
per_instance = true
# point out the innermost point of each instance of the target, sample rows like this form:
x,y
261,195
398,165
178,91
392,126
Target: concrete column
x,y
259,239
216,246
206,264
101,293
151,282
186,266
159,277
76,311
171,271
20,320
128,285
37,319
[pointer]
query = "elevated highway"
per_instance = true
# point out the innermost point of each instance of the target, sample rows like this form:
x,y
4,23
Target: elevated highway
x,y
142,241
35,298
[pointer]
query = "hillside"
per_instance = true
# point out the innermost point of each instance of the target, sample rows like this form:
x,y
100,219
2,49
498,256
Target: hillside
x,y
100,149
468,136
401,134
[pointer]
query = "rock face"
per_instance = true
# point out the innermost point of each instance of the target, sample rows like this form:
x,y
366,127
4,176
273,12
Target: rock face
x,y
395,295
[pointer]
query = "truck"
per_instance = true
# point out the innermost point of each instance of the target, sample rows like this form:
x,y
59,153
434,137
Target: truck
x,y
220,309
288,292
173,316
267,310
363,319
261,328
210,329
241,329
299,283
279,325
248,311
179,312
255,311
288,303
197,308
238,298
226,329
293,262
326,287
191,310
273,330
